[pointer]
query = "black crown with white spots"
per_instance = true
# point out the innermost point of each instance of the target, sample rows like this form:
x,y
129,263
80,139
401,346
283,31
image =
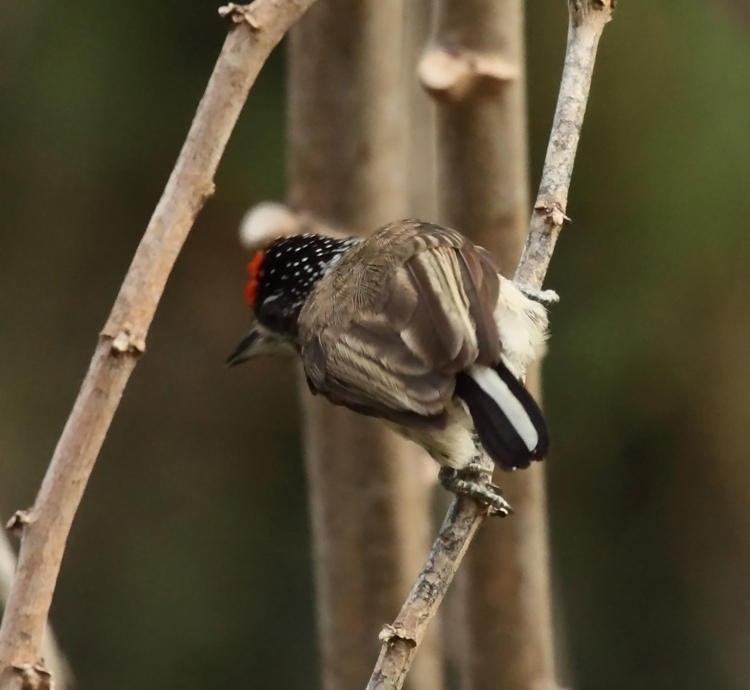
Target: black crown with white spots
x,y
291,268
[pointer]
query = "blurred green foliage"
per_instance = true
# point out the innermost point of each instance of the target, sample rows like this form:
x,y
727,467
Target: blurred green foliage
x,y
189,558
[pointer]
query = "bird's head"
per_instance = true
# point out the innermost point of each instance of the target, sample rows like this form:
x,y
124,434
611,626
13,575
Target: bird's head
x,y
280,278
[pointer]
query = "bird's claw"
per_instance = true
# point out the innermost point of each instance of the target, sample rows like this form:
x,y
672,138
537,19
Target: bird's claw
x,y
469,482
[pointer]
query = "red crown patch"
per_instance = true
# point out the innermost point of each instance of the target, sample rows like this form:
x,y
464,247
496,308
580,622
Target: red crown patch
x,y
253,270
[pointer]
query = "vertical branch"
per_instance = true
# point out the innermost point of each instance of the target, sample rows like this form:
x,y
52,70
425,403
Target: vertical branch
x,y
421,153
587,20
421,171
484,191
474,70
369,489
45,528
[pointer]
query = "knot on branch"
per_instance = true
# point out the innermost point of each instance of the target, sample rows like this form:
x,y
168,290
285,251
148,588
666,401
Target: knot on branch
x,y
19,520
34,677
124,341
238,14
452,74
552,212
600,9
207,193
390,633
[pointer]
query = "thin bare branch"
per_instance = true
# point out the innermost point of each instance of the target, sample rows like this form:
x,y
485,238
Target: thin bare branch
x,y
255,30
54,660
587,21
401,639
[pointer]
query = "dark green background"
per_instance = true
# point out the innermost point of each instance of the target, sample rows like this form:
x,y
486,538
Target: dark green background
x,y
189,559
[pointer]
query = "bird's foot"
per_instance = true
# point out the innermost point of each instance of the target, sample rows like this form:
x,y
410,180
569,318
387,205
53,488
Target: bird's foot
x,y
472,481
537,295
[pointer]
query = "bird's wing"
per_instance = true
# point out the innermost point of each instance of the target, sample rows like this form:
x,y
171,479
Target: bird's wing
x,y
389,328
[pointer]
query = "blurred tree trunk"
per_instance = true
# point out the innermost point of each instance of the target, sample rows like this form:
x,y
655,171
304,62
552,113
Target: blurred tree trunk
x,y
369,490
421,154
483,187
421,176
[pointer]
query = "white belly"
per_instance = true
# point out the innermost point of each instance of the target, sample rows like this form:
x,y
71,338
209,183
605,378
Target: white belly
x,y
522,327
454,445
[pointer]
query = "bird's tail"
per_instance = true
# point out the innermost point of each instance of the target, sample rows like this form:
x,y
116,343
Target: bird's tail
x,y
507,419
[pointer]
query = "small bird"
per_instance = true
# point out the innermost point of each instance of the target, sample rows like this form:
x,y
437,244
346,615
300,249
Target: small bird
x,y
414,325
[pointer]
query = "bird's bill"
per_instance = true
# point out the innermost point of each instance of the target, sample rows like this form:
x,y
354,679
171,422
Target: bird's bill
x,y
245,348
256,343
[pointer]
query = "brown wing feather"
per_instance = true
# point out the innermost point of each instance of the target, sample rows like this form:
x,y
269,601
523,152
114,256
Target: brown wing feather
x,y
479,275
388,329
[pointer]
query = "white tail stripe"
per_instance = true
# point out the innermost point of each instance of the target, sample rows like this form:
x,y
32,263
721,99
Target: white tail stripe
x,y
511,406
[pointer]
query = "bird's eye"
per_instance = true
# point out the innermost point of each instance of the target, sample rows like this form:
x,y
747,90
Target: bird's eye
x,y
270,311
271,319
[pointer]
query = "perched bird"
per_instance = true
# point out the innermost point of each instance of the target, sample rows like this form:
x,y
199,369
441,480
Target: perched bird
x,y
414,325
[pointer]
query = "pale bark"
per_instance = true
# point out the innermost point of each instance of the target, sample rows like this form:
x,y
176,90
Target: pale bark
x,y
45,527
587,20
369,489
54,661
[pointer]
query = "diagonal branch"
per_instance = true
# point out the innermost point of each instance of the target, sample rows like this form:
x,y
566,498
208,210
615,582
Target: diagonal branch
x,y
256,29
401,639
54,660
587,21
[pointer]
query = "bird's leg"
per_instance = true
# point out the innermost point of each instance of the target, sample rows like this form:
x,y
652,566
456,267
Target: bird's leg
x,y
472,481
537,295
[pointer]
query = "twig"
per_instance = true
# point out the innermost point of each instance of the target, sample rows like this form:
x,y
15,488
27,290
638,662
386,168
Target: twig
x,y
587,21
54,660
401,639
256,29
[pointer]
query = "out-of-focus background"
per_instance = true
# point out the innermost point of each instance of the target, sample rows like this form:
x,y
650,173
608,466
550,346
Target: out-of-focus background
x,y
190,555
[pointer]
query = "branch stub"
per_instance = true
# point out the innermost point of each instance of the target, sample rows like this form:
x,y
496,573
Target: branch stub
x,y
581,9
453,73
239,14
34,677
19,520
554,216
125,342
390,632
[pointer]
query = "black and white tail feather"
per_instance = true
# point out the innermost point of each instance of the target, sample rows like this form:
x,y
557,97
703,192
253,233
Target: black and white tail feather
x,y
507,419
